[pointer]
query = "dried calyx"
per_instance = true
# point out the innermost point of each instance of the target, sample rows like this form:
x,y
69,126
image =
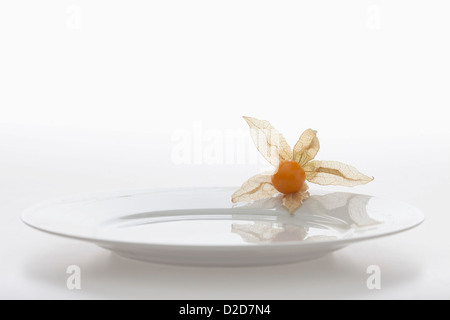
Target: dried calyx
x,y
293,168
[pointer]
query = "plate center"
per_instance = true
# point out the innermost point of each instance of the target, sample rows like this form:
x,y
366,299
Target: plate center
x,y
200,227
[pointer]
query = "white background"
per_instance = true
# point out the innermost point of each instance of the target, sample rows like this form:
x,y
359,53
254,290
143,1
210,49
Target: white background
x,y
93,95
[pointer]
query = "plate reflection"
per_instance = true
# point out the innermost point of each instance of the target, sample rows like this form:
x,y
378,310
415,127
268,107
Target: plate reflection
x,y
321,218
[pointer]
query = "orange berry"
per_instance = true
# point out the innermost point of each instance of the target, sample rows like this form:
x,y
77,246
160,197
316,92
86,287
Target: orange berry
x,y
289,177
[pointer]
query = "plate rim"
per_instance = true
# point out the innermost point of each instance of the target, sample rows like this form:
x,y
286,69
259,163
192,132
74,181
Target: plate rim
x,y
298,243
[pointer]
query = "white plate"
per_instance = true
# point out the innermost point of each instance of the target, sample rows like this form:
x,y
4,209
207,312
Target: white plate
x,y
202,227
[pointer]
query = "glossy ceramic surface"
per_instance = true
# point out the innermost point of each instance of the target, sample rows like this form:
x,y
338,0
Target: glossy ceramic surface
x,y
202,227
